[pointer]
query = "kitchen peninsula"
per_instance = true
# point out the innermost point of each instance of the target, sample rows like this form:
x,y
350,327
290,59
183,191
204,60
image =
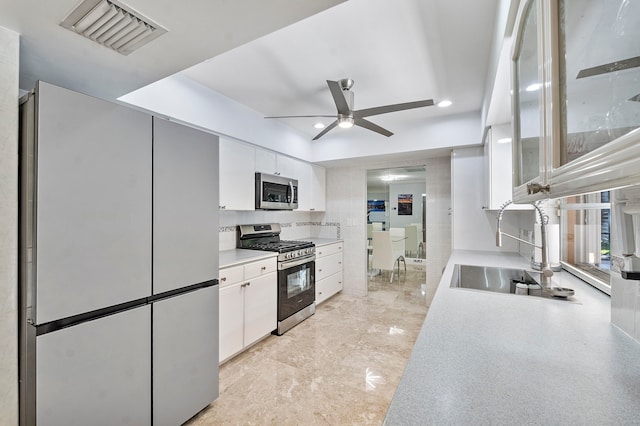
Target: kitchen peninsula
x,y
491,358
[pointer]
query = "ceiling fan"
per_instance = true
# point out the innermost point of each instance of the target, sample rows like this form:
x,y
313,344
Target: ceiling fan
x,y
347,117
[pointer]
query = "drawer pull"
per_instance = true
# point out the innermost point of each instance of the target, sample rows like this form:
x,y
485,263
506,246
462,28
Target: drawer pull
x,y
246,284
319,270
319,253
339,263
264,268
223,279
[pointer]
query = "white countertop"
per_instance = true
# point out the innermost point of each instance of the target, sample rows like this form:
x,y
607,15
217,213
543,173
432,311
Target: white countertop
x,y
491,358
235,257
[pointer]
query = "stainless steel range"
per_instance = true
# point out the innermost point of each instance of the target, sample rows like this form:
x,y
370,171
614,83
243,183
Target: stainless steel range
x,y
296,271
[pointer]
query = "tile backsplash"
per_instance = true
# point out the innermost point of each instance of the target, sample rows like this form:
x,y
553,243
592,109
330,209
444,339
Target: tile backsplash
x,y
294,225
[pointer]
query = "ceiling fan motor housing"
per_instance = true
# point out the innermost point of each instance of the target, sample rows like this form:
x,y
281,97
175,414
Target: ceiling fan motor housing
x,y
346,83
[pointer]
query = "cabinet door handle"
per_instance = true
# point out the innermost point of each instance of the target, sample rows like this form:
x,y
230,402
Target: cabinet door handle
x,y
339,263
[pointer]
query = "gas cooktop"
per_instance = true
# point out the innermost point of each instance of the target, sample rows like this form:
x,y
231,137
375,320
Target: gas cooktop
x,y
266,237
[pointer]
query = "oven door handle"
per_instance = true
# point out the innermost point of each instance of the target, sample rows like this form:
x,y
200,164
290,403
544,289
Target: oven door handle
x,y
296,262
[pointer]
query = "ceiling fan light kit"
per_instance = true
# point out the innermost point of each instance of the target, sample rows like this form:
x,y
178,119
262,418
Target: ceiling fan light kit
x,y
345,122
347,117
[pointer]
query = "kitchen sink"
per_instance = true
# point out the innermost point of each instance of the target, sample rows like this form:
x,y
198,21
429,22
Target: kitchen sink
x,y
499,280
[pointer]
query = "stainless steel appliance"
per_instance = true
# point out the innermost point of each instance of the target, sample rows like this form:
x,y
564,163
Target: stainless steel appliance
x,y
276,192
118,264
296,271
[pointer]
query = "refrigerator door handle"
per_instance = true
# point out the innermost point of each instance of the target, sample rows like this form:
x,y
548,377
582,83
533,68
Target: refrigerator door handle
x,y
182,290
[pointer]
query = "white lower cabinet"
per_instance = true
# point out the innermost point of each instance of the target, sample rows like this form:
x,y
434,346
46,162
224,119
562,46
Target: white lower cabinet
x,y
248,305
329,260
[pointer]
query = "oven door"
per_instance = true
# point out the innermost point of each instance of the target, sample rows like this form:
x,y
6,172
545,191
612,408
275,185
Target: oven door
x,y
276,192
296,286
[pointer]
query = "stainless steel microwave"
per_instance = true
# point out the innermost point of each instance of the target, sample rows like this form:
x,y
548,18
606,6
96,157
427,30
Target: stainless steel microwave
x,y
276,192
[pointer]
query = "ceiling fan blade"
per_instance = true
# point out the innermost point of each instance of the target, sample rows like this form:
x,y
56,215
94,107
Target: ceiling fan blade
x,y
302,116
391,108
371,126
325,130
338,97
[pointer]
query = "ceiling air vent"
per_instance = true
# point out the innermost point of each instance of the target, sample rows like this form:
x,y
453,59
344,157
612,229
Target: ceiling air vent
x,y
113,25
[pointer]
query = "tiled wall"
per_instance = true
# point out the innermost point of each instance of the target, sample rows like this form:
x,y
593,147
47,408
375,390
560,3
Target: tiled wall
x,y
438,218
9,47
347,205
295,225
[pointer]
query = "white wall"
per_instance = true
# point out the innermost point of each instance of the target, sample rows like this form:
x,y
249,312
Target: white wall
x,y
473,227
438,218
9,63
429,134
189,102
415,189
347,206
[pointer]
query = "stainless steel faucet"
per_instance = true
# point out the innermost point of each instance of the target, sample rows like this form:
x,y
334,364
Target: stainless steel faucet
x,y
546,272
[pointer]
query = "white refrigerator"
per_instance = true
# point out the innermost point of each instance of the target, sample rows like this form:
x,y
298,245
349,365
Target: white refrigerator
x,y
118,264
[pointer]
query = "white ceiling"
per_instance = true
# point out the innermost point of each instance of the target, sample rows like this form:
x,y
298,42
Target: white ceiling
x,y
197,30
396,51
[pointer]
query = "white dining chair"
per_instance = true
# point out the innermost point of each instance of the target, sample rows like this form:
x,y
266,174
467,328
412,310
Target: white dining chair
x,y
411,241
387,252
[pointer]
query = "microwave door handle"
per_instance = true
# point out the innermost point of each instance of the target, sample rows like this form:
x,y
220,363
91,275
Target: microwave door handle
x,y
291,189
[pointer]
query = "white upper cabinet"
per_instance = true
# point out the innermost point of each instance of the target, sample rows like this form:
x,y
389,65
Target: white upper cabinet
x,y
498,168
311,186
303,175
576,97
318,188
265,161
237,176
274,164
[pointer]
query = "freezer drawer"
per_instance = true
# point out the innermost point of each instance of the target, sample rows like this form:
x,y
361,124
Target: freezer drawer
x,y
185,355
96,373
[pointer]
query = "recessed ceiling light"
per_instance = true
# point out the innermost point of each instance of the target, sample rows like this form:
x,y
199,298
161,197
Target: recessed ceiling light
x,y
504,140
319,126
533,87
445,103
389,178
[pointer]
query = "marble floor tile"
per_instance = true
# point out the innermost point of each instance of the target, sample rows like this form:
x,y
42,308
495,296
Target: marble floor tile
x,y
339,367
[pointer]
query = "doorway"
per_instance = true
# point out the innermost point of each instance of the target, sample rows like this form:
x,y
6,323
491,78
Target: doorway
x,y
396,202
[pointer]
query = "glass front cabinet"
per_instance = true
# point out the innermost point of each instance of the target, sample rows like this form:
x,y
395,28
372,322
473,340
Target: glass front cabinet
x,y
576,97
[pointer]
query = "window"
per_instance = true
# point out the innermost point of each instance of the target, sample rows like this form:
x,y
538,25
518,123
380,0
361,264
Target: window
x,y
585,251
